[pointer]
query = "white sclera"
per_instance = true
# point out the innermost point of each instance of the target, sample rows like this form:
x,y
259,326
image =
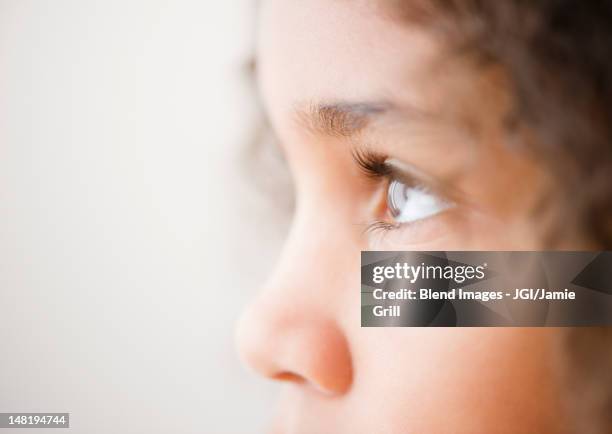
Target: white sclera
x,y
410,203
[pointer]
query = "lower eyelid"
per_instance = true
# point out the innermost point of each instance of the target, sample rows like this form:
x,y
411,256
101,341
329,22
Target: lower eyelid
x,y
423,231
380,226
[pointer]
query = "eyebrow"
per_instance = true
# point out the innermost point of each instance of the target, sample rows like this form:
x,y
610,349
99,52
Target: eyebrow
x,y
345,119
339,119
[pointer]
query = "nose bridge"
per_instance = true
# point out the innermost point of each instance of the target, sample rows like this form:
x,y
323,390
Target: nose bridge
x,y
314,254
311,274
289,332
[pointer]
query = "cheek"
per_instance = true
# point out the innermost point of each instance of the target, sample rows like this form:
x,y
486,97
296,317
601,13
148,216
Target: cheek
x,y
461,381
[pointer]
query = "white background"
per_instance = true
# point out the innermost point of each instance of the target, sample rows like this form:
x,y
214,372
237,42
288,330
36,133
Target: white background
x,y
129,236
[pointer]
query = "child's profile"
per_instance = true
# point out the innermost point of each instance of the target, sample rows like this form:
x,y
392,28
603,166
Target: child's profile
x,y
432,125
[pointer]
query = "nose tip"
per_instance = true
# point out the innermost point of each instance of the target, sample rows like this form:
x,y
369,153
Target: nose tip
x,y
250,337
295,347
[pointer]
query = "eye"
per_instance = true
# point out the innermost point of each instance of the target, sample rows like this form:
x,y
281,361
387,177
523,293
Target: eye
x,y
408,199
408,203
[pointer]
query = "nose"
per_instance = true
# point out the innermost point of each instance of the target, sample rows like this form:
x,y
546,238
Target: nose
x,y
291,332
296,343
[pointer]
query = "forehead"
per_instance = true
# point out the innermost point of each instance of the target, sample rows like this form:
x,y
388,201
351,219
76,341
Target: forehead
x,y
328,50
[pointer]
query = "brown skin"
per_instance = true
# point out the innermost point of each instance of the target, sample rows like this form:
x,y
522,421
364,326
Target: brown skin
x,y
441,117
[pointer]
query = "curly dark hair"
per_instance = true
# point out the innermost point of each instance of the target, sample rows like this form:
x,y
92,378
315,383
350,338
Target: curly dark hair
x,y
556,54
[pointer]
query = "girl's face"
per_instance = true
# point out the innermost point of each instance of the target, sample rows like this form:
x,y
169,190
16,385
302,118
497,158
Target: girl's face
x,y
394,144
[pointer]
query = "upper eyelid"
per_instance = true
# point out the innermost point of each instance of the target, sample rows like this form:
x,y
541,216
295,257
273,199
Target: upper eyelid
x,y
405,177
380,166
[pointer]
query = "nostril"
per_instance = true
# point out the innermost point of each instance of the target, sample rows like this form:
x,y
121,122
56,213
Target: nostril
x,y
289,376
299,349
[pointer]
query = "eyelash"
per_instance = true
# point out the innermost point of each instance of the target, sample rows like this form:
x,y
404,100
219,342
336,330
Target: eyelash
x,y
372,164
